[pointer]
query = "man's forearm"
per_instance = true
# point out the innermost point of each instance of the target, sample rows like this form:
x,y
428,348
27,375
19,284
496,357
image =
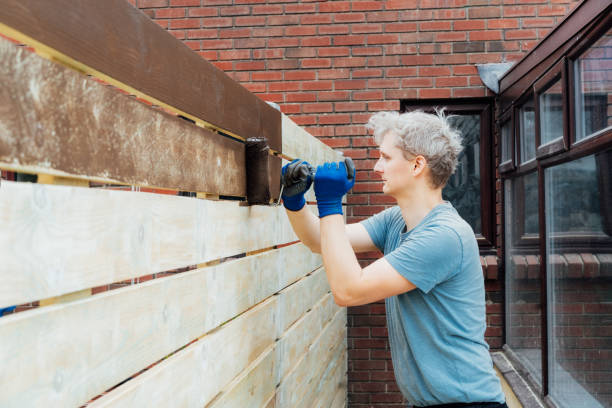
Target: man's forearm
x,y
341,265
306,226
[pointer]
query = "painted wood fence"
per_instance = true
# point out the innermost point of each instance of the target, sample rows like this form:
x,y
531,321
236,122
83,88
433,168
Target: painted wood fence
x,y
142,298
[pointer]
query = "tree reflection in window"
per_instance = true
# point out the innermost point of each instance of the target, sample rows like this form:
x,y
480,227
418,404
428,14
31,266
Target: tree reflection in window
x,y
463,188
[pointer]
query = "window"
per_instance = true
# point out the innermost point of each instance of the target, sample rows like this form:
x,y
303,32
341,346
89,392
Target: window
x,y
523,279
557,212
470,189
593,86
578,212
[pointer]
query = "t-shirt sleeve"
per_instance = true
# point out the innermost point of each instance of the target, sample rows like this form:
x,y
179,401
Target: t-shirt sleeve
x,y
428,258
377,226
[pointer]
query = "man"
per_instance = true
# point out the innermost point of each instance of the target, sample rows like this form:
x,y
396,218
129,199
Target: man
x,y
430,275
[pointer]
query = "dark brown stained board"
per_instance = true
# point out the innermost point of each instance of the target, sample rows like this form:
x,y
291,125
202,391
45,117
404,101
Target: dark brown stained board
x,y
54,118
120,41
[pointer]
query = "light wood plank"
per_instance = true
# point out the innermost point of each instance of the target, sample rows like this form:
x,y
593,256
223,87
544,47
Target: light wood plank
x,y
57,240
195,375
296,341
254,387
332,382
298,143
340,399
301,296
296,383
68,353
54,119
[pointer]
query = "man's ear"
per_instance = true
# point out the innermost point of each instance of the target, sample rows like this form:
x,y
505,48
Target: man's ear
x,y
420,163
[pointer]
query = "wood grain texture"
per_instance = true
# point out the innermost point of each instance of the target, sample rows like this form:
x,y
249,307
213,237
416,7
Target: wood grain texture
x,y
182,376
121,42
298,143
56,120
297,383
57,239
94,343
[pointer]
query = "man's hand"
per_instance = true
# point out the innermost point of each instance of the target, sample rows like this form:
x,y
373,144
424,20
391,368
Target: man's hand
x,y
332,182
296,179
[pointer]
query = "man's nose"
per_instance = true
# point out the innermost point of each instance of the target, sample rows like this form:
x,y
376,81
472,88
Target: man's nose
x,y
378,168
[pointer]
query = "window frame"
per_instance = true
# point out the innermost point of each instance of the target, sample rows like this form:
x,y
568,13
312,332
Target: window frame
x,y
508,165
483,107
557,72
529,165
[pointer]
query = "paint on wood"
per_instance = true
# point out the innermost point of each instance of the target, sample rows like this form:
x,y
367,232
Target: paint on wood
x,y
121,42
54,119
58,239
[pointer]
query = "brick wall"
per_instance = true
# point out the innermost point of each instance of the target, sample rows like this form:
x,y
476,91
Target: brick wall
x,y
330,64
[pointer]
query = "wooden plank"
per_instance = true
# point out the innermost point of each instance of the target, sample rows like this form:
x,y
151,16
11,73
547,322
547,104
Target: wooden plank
x,y
295,341
340,399
114,334
58,240
252,388
186,364
293,387
56,120
298,143
332,382
121,43
298,298
196,374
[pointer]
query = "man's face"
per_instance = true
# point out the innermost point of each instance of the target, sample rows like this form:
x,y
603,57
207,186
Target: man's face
x,y
393,167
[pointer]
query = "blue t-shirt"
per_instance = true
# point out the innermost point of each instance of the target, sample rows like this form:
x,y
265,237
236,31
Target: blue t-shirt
x,y
436,331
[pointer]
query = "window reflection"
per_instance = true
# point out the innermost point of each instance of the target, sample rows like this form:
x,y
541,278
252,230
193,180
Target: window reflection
x,y
593,82
506,136
551,113
527,131
579,269
463,188
522,260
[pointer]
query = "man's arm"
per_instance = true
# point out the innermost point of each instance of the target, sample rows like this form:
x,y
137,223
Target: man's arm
x,y
307,227
352,285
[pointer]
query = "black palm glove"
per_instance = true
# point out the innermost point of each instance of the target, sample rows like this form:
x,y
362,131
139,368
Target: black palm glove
x,y
296,179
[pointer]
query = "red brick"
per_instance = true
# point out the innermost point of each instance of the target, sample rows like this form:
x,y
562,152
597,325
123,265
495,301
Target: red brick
x,y
267,76
281,64
391,60
519,11
254,87
203,33
465,70
414,15
281,42
370,365
435,26
434,71
333,96
251,43
451,81
450,59
401,4
170,13
335,73
333,51
235,11
175,3
268,32
316,42
434,93
381,16
383,105
235,33
316,19
334,119
366,28
367,73
387,397
152,3
350,62
484,58
267,9
334,6
203,12
520,34
484,12
300,30
300,52
551,11
223,65
317,85
283,20
300,8
503,23
488,35
469,25
250,66
349,18
442,3
349,40
367,50
332,29
217,22
400,27
184,23
450,36
337,142
217,44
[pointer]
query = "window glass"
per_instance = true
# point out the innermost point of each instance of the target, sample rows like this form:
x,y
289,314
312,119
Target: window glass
x,y
579,270
522,257
506,141
527,131
463,188
593,84
551,113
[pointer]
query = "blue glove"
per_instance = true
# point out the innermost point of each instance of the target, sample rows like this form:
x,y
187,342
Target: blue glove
x,y
332,182
296,178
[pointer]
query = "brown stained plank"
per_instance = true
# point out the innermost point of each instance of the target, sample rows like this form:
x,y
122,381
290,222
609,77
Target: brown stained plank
x,y
120,41
53,118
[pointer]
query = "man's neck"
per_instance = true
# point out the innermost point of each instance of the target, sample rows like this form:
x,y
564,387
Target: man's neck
x,y
416,205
